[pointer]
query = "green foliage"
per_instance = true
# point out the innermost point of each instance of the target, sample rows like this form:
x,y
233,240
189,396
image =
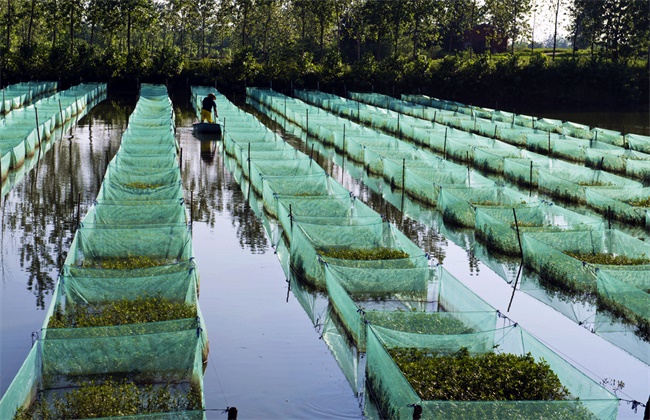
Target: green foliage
x,y
607,259
419,322
113,399
141,310
643,202
142,185
485,377
360,254
125,263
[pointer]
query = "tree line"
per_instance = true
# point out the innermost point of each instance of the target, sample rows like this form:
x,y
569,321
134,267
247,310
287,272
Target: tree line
x,y
378,44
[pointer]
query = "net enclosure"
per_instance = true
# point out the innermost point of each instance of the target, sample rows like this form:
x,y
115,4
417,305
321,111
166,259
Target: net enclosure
x,y
124,319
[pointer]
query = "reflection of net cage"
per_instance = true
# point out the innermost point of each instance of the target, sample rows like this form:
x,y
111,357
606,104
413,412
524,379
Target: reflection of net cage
x,y
397,398
133,246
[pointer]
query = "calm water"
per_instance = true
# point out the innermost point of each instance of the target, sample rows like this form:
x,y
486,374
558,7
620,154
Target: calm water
x,y
274,350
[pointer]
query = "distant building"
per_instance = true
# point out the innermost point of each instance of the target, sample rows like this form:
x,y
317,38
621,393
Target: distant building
x,y
484,35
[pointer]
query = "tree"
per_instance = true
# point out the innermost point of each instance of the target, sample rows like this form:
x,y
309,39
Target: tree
x,y
509,17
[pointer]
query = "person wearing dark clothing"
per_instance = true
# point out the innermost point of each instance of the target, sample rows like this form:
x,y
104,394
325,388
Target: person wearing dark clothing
x,y
206,108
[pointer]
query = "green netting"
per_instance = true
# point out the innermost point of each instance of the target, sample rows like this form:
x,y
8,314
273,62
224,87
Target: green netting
x,y
130,212
143,178
395,396
497,227
458,205
309,241
113,191
239,150
404,299
638,142
260,169
626,294
311,185
164,244
570,183
125,161
330,209
422,179
491,159
628,205
21,136
546,254
175,282
627,162
623,335
349,358
525,170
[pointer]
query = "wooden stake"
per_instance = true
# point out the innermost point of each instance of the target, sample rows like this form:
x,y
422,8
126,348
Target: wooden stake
x,y
444,146
403,184
521,250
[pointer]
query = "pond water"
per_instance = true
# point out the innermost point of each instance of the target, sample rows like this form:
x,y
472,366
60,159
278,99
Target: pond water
x,y
273,352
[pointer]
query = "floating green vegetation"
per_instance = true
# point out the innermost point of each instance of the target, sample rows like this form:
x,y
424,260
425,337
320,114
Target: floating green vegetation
x,y
363,254
607,259
112,399
521,223
126,263
122,312
595,184
419,322
479,202
142,185
641,202
485,377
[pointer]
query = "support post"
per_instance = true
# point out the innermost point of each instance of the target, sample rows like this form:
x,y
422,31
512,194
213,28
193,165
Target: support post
x,y
444,146
521,250
403,184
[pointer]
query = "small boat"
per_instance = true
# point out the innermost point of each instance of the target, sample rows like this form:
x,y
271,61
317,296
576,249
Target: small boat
x,y
212,129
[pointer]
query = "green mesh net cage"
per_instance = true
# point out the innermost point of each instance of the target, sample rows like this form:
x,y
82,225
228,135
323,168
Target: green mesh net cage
x,y
628,205
570,183
570,259
312,243
458,205
501,228
132,247
404,299
397,397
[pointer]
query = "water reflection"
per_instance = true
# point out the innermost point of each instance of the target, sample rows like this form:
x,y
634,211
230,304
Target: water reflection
x,y
43,198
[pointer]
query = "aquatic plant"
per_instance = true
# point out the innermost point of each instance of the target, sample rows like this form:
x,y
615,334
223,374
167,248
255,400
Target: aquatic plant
x,y
364,254
125,263
485,377
607,259
113,398
140,310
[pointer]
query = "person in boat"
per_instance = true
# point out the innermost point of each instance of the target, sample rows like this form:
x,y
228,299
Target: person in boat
x,y
206,108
